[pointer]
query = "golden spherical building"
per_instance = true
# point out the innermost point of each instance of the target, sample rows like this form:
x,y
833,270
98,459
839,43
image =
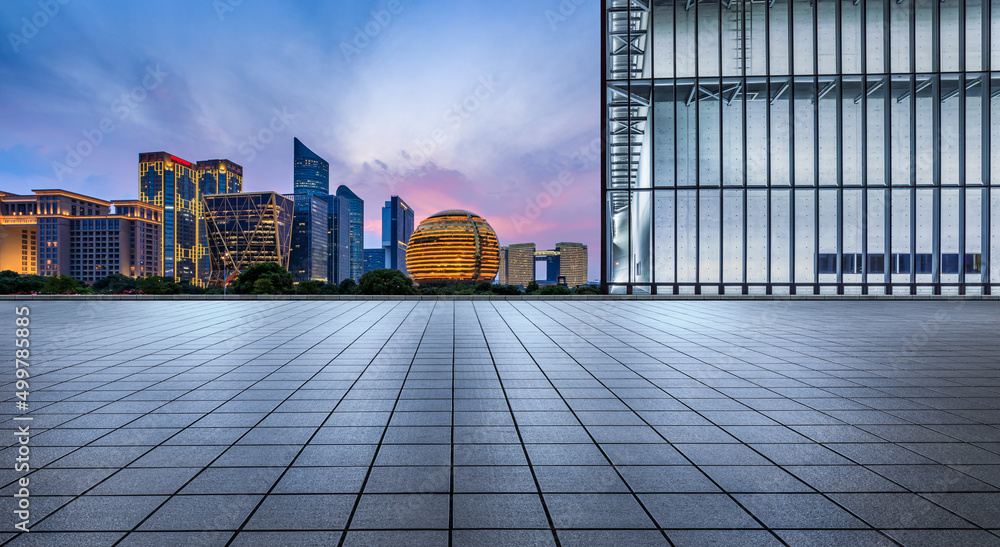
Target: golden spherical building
x,y
453,246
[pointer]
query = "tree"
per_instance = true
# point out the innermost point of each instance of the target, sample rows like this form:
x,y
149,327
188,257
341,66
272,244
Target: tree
x,y
347,286
115,283
531,288
512,290
385,281
315,287
587,289
60,283
152,284
554,289
282,281
263,285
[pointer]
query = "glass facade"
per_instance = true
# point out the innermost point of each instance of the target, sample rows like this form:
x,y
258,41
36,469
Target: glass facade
x,y
172,183
311,172
356,231
310,252
828,147
246,229
397,227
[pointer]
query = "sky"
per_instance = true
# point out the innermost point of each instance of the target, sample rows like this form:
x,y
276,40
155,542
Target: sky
x,y
490,106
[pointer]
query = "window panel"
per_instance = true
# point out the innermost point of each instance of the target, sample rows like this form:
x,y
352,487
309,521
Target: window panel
x,y
778,36
950,89
663,41
994,262
949,258
926,90
875,228
664,111
805,128
756,31
974,235
684,43
974,129
901,99
875,39
974,17
757,125
995,131
642,212
802,34
664,243
733,51
779,135
618,227
923,261
805,236
900,263
828,127
757,230
850,38
853,135
709,134
708,39
852,233
875,143
924,34
732,132
949,25
687,134
829,234
995,34
826,41
899,35
709,236
687,241
781,235
732,236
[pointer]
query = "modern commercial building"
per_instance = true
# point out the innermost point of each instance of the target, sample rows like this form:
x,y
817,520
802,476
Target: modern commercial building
x,y
310,253
214,177
311,172
338,238
807,147
517,264
453,246
573,262
57,232
356,230
374,259
246,229
397,227
549,260
172,183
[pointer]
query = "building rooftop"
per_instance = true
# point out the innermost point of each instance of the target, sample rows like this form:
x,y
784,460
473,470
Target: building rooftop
x,y
512,422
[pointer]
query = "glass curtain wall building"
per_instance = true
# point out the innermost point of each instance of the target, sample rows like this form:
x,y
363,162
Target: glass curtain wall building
x,y
310,254
246,229
818,147
397,227
356,231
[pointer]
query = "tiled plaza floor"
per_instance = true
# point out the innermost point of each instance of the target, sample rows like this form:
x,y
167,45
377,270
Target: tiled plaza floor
x,y
509,422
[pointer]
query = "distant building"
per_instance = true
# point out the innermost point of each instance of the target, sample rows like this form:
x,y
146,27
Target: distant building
x,y
519,264
397,227
311,172
573,262
214,177
247,229
338,238
310,253
453,246
374,259
356,227
172,183
552,266
58,232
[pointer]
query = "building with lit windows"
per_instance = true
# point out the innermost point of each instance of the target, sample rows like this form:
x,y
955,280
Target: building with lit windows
x,y
517,264
520,264
453,246
311,172
246,229
397,227
310,253
57,232
374,259
356,231
572,262
832,147
214,177
338,238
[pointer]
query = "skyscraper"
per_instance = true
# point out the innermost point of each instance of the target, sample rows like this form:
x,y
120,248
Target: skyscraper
x,y
310,253
519,259
311,172
339,238
214,177
397,227
356,228
246,229
801,147
172,183
374,259
573,262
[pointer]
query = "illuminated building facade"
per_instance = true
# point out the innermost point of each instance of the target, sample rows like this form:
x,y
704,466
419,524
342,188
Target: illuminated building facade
x,y
214,177
518,264
551,261
356,230
397,227
172,183
311,172
246,229
830,147
310,253
58,232
374,259
573,262
453,246
338,238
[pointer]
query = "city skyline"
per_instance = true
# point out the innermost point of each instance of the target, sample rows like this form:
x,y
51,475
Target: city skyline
x,y
450,137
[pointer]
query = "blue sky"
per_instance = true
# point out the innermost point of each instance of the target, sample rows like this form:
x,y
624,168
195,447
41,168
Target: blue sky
x,y
485,105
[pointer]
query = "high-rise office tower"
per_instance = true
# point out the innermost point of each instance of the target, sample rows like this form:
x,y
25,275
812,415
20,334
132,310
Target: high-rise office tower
x,y
172,183
806,147
311,172
310,253
246,229
552,262
519,261
397,227
572,262
214,177
58,232
356,228
374,259
338,238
